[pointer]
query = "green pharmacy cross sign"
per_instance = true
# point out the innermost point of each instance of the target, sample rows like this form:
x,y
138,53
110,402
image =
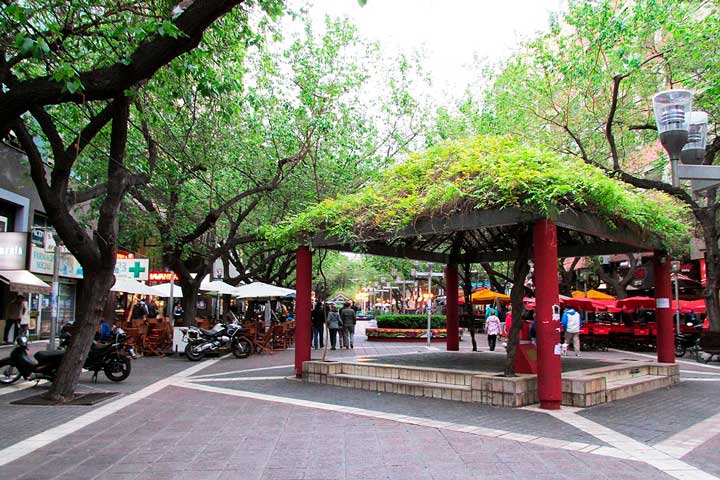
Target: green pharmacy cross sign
x,y
136,269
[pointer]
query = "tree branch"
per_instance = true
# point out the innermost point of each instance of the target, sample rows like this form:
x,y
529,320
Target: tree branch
x,y
111,81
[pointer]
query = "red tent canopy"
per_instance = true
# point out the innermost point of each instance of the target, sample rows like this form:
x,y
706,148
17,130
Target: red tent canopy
x,y
633,303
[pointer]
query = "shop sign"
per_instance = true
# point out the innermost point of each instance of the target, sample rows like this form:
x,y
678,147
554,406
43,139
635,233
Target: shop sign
x,y
121,255
42,262
158,276
135,268
12,250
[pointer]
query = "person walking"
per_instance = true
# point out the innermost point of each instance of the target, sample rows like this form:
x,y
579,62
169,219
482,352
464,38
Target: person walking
x,y
348,317
318,324
571,322
334,324
493,329
13,315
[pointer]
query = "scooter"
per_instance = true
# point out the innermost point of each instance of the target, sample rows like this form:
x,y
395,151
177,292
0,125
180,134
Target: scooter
x,y
685,341
112,358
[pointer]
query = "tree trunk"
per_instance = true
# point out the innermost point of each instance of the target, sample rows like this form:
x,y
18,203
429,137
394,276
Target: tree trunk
x,y
712,265
521,268
92,299
467,293
189,301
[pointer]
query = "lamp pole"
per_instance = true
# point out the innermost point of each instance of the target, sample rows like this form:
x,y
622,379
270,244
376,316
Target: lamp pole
x,y
54,297
429,305
675,269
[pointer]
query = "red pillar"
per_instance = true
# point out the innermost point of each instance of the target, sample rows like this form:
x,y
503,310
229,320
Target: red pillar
x,y
303,288
547,329
451,307
663,312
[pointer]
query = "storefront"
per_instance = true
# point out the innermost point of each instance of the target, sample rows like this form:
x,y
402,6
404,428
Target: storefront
x,y
70,273
15,279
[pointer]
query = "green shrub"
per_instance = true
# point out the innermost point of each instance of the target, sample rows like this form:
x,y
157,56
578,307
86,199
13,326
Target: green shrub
x,y
409,321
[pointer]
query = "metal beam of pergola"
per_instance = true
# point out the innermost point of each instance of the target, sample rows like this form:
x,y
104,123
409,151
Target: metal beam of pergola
x,y
477,236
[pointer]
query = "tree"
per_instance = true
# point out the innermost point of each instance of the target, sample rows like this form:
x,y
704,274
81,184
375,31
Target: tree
x,y
584,88
61,62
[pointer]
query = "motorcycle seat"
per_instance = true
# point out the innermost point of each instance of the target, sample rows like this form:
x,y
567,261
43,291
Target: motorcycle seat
x,y
209,333
100,347
44,356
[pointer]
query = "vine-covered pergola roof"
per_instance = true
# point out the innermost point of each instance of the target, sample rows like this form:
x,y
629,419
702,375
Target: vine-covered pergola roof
x,y
469,200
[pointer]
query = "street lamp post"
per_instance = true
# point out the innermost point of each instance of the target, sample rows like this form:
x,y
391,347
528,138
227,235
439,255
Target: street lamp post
x,y
54,297
675,269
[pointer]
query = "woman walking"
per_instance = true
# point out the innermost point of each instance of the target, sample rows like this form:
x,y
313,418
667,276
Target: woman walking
x,y
318,323
334,324
493,329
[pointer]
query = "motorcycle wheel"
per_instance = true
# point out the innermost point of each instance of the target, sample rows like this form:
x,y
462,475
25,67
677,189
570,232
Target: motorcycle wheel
x,y
679,350
193,353
117,369
242,348
8,372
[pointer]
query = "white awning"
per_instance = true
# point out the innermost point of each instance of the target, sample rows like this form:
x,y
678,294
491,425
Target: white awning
x,y
261,290
218,286
128,285
163,290
22,281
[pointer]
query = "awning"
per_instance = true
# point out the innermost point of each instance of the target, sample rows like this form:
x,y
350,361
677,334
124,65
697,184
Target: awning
x,y
262,290
218,286
163,290
22,281
128,285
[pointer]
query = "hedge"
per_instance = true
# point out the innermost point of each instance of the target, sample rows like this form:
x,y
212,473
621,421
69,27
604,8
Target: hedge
x,y
409,321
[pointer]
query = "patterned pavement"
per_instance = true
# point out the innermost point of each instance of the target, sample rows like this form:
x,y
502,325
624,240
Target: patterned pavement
x,y
248,419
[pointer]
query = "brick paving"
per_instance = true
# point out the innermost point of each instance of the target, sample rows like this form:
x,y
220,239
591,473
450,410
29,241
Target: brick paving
x,y
22,421
706,456
178,434
657,415
513,420
182,433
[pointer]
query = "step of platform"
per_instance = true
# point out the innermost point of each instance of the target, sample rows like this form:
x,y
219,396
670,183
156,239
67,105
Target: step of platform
x,y
416,388
629,387
414,374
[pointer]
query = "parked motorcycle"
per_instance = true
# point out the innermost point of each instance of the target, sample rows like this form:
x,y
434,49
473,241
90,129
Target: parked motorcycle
x,y
687,341
113,358
221,337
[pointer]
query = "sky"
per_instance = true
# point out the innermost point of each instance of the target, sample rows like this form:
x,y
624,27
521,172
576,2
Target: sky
x,y
455,35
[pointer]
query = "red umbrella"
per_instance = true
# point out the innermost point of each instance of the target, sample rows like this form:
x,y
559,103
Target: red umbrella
x,y
633,303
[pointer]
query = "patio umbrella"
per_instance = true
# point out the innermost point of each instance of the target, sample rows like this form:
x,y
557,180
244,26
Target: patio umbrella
x,y
218,286
128,285
485,295
261,290
592,295
163,290
633,303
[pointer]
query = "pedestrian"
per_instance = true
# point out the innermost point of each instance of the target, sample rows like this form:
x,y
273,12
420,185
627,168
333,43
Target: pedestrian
x,y
492,329
571,322
507,324
13,315
178,312
334,324
25,321
318,326
349,318
152,308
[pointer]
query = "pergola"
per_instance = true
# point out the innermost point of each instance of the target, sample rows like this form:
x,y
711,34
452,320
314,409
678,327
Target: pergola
x,y
468,233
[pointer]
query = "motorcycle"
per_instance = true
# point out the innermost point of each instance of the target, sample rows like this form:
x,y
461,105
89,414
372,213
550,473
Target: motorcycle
x,y
685,341
112,358
222,336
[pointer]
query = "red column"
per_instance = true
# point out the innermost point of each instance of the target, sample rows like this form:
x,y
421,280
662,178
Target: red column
x,y
547,329
303,288
663,312
451,307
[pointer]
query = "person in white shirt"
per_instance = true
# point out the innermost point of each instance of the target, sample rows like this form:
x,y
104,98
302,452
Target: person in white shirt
x,y
571,322
493,329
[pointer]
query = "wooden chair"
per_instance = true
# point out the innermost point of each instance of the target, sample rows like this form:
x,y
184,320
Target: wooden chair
x,y
264,341
156,341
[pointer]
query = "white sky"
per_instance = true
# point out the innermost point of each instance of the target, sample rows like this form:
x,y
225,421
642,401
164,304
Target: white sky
x,y
457,36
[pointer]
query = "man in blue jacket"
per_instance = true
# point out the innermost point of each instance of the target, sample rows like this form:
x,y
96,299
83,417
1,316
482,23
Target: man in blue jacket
x,y
571,322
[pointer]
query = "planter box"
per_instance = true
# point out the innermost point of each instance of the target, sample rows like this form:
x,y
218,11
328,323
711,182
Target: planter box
x,y
406,334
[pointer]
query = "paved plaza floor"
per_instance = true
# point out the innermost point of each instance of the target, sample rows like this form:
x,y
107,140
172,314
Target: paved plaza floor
x,y
226,418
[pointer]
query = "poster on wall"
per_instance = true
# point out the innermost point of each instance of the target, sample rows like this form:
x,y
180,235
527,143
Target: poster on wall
x,y
12,250
42,262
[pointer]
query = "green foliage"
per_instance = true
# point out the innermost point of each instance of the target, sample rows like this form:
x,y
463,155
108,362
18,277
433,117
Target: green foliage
x,y
410,321
486,172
